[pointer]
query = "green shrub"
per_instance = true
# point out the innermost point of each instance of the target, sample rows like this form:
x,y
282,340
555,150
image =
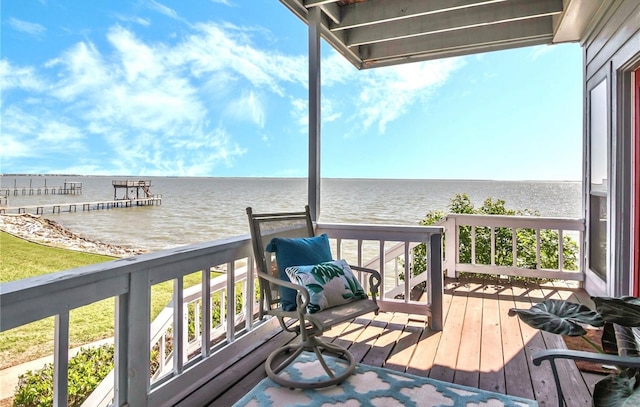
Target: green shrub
x,y
86,370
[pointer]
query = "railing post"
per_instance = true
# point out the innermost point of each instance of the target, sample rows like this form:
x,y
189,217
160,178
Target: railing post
x,y
61,360
138,339
451,234
121,350
436,290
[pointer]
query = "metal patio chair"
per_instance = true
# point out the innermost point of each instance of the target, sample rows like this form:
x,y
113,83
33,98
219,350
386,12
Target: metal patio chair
x,y
309,326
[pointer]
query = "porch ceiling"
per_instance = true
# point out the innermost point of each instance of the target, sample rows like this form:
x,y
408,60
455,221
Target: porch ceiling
x,y
372,33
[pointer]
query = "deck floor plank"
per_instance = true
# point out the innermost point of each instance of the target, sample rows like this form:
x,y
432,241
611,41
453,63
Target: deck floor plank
x,y
516,368
423,357
446,357
480,346
491,357
468,363
386,340
541,376
406,344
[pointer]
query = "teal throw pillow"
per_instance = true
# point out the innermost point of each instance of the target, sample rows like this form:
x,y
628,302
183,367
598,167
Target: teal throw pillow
x,y
330,284
295,252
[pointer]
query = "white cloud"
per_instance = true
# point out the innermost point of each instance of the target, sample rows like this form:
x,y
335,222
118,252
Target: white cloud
x,y
540,50
385,94
162,9
249,107
147,103
33,29
151,104
14,77
134,19
35,134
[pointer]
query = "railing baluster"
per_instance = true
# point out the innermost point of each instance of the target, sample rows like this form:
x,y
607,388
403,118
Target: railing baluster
x,y
382,269
197,331
231,301
61,360
407,276
250,295
493,246
514,246
206,312
365,284
560,250
162,355
179,316
473,245
538,265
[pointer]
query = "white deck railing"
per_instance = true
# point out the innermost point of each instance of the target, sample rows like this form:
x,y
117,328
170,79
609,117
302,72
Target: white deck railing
x,y
564,227
196,358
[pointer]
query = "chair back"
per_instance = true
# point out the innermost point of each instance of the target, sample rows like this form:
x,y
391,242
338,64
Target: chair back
x,y
264,227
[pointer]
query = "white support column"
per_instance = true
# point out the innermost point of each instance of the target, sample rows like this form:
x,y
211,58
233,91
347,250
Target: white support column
x,y
314,112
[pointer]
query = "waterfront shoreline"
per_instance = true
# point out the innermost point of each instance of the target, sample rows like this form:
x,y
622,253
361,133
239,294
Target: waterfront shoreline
x,y
40,230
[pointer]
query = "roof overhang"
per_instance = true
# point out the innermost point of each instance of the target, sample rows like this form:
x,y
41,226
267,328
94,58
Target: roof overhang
x,y
373,33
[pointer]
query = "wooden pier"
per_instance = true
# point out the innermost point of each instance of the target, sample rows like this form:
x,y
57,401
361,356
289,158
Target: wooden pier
x,y
69,188
83,206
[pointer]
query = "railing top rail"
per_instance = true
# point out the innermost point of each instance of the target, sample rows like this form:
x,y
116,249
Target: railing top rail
x,y
540,222
38,297
402,232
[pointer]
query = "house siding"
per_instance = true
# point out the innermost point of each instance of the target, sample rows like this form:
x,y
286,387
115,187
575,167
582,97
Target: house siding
x,y
611,52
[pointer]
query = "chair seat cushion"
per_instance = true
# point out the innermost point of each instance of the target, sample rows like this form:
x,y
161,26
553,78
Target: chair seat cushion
x,y
329,284
294,252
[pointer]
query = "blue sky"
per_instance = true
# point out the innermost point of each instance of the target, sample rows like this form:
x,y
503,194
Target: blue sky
x,y
219,88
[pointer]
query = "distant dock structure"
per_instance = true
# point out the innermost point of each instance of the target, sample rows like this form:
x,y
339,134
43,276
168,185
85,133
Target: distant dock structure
x,y
68,188
128,190
126,194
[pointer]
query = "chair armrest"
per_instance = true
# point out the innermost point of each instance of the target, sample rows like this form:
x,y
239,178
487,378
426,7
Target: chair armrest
x,y
374,278
552,354
303,296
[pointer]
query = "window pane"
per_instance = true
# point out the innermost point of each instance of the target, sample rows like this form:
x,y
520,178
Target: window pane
x,y
598,186
598,236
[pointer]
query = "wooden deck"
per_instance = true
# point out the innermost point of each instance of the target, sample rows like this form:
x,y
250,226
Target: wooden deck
x,y
480,346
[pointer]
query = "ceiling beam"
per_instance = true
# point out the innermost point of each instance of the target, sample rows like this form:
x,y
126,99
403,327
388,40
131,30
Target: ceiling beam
x,y
379,11
315,3
332,11
453,20
330,8
462,42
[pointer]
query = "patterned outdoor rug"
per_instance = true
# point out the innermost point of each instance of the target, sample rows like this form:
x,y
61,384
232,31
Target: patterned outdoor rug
x,y
372,386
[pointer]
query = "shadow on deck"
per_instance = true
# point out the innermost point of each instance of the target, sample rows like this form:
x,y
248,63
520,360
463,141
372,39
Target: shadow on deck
x,y
480,346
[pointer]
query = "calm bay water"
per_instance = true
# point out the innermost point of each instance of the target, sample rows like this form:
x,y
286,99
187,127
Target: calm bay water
x,y
203,209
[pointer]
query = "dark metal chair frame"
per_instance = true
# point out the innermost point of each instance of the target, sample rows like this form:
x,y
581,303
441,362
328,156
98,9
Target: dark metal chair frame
x,y
309,327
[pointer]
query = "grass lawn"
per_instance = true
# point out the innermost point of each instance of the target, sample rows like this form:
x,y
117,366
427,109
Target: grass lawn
x,y
21,259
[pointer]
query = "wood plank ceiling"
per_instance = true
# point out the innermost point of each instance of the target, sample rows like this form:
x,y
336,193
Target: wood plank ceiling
x,y
372,33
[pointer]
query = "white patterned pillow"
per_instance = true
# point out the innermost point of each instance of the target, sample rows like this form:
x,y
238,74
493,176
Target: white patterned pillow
x,y
331,283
